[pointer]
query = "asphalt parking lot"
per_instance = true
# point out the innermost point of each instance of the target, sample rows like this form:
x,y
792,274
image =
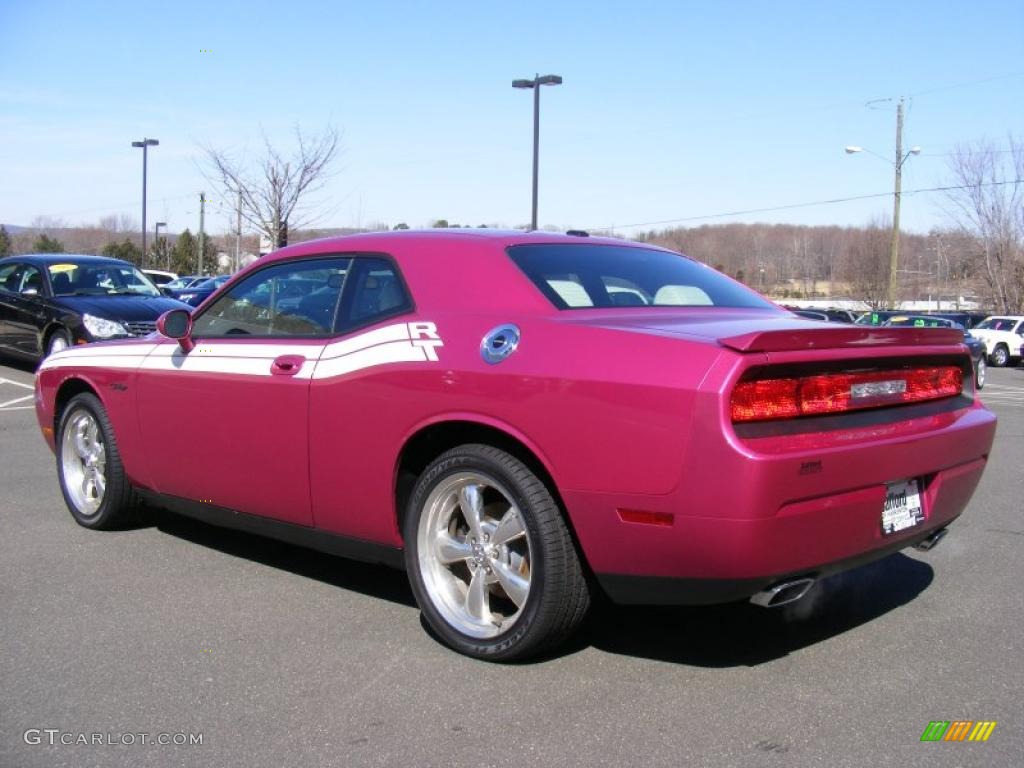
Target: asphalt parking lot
x,y
277,656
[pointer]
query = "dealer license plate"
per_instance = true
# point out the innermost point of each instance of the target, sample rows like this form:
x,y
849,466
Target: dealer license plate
x,y
902,507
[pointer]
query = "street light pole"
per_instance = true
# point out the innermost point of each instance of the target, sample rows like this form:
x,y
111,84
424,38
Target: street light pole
x,y
894,245
535,84
901,158
145,144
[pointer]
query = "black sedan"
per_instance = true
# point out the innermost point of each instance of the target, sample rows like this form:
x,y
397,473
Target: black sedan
x,y
974,344
50,301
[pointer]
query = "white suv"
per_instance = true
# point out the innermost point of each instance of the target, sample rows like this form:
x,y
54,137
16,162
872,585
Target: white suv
x,y
1003,335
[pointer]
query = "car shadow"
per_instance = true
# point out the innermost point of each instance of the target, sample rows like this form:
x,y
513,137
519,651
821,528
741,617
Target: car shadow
x,y
742,634
376,581
18,364
730,635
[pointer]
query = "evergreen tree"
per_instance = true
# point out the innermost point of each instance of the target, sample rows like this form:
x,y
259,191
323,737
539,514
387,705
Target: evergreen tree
x,y
45,244
127,251
185,255
5,242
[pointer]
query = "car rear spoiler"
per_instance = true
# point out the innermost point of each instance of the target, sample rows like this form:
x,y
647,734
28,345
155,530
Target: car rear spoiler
x,y
841,337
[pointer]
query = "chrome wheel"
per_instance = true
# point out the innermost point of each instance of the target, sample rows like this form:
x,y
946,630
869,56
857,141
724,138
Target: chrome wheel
x,y
474,554
1000,356
84,462
981,372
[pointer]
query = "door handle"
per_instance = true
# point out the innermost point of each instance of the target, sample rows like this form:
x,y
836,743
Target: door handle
x,y
287,365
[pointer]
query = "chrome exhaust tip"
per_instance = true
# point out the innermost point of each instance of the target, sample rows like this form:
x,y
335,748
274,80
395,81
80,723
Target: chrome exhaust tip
x,y
932,540
783,593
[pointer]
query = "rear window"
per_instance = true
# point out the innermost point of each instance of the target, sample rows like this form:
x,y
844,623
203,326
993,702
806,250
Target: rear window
x,y
583,276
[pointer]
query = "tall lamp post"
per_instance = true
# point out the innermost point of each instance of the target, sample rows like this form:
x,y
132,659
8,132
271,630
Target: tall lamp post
x,y
145,144
901,158
535,84
156,238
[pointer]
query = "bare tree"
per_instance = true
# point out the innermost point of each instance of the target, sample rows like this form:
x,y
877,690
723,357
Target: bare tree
x,y
274,189
989,204
868,255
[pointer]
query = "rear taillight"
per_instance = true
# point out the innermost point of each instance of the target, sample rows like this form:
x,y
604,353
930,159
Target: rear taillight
x,y
787,398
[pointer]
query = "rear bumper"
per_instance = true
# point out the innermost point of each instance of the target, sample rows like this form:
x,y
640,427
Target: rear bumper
x,y
654,590
756,519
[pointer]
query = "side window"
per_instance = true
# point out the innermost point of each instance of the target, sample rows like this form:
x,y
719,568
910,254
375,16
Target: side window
x,y
289,299
376,292
31,282
10,275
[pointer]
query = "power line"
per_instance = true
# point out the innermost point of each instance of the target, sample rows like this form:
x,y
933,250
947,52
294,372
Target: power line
x,y
791,206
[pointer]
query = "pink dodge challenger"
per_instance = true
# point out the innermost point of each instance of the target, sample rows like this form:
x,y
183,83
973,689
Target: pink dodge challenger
x,y
521,419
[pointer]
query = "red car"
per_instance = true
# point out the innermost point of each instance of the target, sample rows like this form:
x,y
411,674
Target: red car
x,y
520,419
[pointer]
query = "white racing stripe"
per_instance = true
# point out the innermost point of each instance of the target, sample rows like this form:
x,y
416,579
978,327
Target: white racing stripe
x,y
397,343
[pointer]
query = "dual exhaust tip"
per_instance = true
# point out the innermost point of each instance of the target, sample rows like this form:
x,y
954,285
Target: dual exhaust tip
x,y
786,592
782,593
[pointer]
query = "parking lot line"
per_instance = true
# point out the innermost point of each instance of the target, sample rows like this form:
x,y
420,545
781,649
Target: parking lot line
x,y
16,383
16,400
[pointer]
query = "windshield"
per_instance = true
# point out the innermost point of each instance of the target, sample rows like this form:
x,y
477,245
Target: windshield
x,y
584,275
99,279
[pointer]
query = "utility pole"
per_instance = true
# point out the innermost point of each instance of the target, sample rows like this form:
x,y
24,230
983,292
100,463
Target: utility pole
x,y
238,233
202,233
894,246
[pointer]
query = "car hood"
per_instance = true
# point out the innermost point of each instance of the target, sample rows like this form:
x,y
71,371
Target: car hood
x,y
120,307
763,330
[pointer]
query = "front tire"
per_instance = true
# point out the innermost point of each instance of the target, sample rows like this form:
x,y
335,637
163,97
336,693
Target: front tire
x,y
89,467
490,558
58,341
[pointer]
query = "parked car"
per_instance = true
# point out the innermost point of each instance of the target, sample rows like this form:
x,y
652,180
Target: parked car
x,y
877,316
828,315
159,277
180,283
967,319
198,292
49,302
1002,335
974,345
476,408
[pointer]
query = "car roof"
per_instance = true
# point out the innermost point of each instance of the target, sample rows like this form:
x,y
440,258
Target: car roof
x,y
64,258
381,241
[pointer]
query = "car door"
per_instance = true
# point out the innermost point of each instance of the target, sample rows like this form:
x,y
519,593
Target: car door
x,y
26,311
227,423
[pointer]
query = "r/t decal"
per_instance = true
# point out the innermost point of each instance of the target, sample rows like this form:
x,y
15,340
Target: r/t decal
x,y
424,336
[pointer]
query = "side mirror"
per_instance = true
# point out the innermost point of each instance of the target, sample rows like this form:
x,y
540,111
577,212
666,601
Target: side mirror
x,y
30,292
177,324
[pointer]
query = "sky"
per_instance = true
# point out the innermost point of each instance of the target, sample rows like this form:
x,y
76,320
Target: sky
x,y
670,113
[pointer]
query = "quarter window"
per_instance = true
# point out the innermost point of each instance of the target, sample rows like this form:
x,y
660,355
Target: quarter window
x,y
376,292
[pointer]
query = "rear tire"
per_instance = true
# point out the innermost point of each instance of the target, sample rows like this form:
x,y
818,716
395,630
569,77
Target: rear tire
x,y
490,558
1000,356
980,373
89,467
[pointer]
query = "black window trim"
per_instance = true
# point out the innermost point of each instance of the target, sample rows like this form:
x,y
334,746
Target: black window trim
x,y
336,332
